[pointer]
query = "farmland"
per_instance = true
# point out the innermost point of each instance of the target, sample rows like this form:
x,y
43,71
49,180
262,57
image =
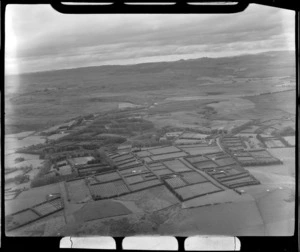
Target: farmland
x,y
188,154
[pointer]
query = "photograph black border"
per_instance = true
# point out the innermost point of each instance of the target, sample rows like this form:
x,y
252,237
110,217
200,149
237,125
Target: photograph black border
x,y
252,243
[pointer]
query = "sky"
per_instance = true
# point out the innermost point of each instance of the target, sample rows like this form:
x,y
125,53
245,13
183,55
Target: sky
x,y
38,38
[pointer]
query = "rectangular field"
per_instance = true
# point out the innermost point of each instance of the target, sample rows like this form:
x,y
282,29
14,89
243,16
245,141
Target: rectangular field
x,y
162,172
290,140
144,185
168,156
133,170
175,182
225,161
49,207
202,150
77,190
196,159
164,150
123,166
122,157
106,177
24,217
274,144
205,165
193,177
195,190
176,166
108,190
143,153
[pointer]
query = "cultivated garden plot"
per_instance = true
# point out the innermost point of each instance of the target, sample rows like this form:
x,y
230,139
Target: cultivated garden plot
x,y
176,166
134,170
106,177
108,190
225,161
162,172
193,177
192,191
196,159
202,150
164,150
145,185
34,213
175,182
205,164
168,156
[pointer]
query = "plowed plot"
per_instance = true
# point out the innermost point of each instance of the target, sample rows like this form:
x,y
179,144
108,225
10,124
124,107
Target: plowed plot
x,y
121,158
176,166
48,208
144,185
164,150
225,161
77,190
122,162
205,164
155,168
108,177
22,218
143,154
162,172
110,189
193,177
147,160
192,191
175,182
168,156
245,158
217,155
196,159
241,182
202,150
133,170
155,164
274,144
134,179
133,163
259,154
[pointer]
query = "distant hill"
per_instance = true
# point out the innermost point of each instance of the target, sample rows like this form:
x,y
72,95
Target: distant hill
x,y
53,95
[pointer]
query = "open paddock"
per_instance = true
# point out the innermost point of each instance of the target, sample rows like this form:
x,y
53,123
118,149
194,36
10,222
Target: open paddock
x,y
176,166
77,190
164,150
21,218
192,191
290,140
168,156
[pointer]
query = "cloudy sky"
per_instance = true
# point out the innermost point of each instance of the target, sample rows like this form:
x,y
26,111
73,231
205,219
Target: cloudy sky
x,y
38,38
